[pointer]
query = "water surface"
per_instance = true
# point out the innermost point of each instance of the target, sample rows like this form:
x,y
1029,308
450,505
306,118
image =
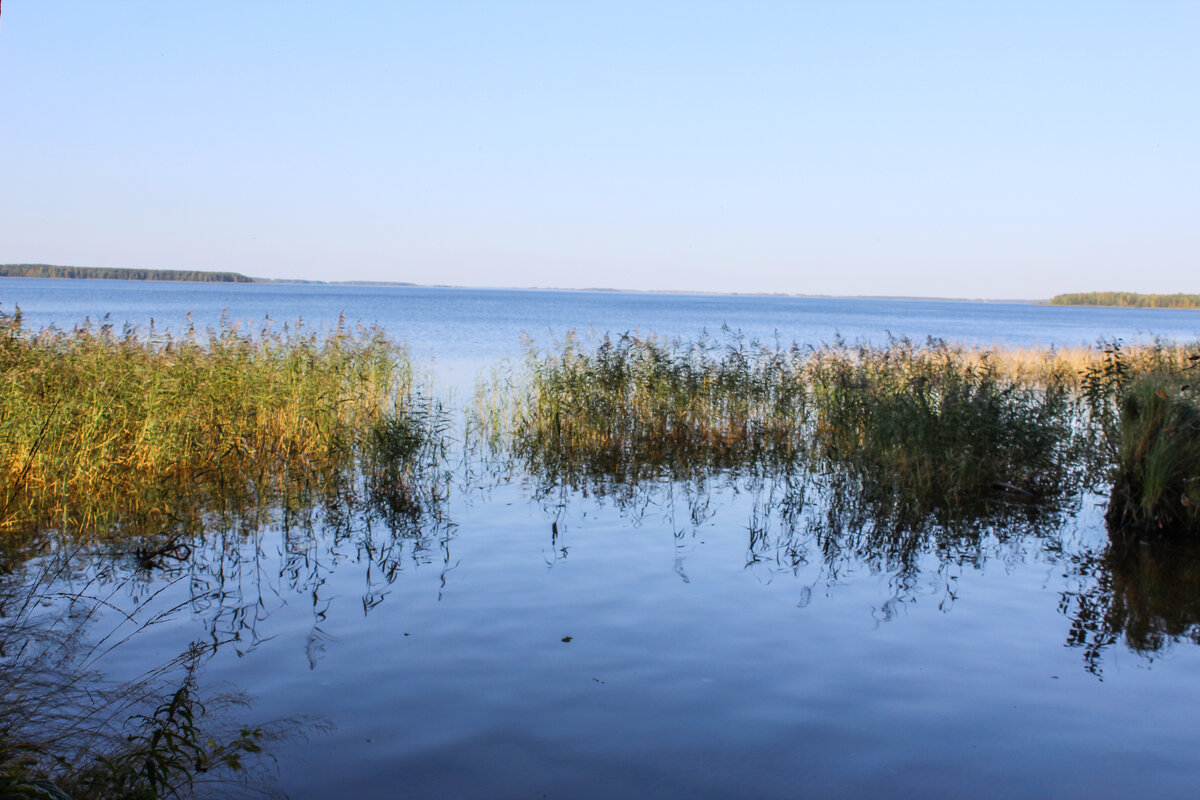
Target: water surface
x,y
683,640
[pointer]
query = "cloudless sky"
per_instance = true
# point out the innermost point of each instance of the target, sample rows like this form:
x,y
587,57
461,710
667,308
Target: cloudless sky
x,y
962,149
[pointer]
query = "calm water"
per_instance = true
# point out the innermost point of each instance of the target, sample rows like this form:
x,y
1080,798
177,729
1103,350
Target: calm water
x,y
721,642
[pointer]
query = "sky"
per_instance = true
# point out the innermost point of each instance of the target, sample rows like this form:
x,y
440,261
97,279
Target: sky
x,y
983,149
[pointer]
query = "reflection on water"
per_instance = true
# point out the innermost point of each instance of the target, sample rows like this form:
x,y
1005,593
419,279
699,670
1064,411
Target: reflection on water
x,y
70,609
234,581
240,565
336,569
792,522
243,563
1144,594
70,729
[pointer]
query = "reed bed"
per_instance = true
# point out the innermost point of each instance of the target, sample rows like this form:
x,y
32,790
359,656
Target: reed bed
x,y
926,428
635,408
1060,367
1157,481
938,427
103,431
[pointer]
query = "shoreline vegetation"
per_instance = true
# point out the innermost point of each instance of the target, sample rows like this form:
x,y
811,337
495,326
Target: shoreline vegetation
x,y
107,434
136,274
917,434
1127,300
118,273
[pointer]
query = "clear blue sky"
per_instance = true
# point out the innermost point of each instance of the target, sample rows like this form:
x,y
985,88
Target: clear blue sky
x,y
959,149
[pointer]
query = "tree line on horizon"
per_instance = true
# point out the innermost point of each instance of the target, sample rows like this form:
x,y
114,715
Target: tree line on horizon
x,y
119,273
1127,300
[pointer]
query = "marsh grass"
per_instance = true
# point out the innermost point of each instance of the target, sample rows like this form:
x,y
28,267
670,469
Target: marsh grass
x,y
920,429
108,433
637,408
911,429
1157,482
936,428
1143,430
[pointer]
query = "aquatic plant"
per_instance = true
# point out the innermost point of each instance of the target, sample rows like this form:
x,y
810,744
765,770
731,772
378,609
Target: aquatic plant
x,y
635,408
104,432
936,427
1157,481
1143,431
931,427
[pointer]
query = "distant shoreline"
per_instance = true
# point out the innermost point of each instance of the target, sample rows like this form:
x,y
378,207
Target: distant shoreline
x,y
1095,299
244,279
1128,300
57,272
118,273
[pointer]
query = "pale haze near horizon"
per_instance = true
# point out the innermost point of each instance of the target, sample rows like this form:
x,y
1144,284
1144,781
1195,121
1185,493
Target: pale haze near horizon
x,y
998,150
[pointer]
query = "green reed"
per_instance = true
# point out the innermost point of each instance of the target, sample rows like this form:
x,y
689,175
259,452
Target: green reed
x,y
1144,428
937,426
933,426
1157,481
102,430
635,408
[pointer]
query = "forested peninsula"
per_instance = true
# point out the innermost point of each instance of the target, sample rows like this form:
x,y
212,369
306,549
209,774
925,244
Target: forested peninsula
x,y
119,273
1127,300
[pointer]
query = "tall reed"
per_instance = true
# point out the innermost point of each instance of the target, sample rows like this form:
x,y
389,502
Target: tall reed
x,y
1157,481
937,426
634,408
103,431
932,425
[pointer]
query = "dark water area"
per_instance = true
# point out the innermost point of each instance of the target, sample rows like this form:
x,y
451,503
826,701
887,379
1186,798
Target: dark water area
x,y
734,635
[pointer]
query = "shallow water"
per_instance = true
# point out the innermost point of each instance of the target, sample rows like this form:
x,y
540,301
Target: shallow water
x,y
733,656
677,640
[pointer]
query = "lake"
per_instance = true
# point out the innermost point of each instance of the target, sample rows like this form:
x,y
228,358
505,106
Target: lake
x,y
729,636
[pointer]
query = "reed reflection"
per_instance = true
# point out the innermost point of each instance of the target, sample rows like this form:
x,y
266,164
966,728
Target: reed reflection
x,y
237,556
238,574
71,726
1143,594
